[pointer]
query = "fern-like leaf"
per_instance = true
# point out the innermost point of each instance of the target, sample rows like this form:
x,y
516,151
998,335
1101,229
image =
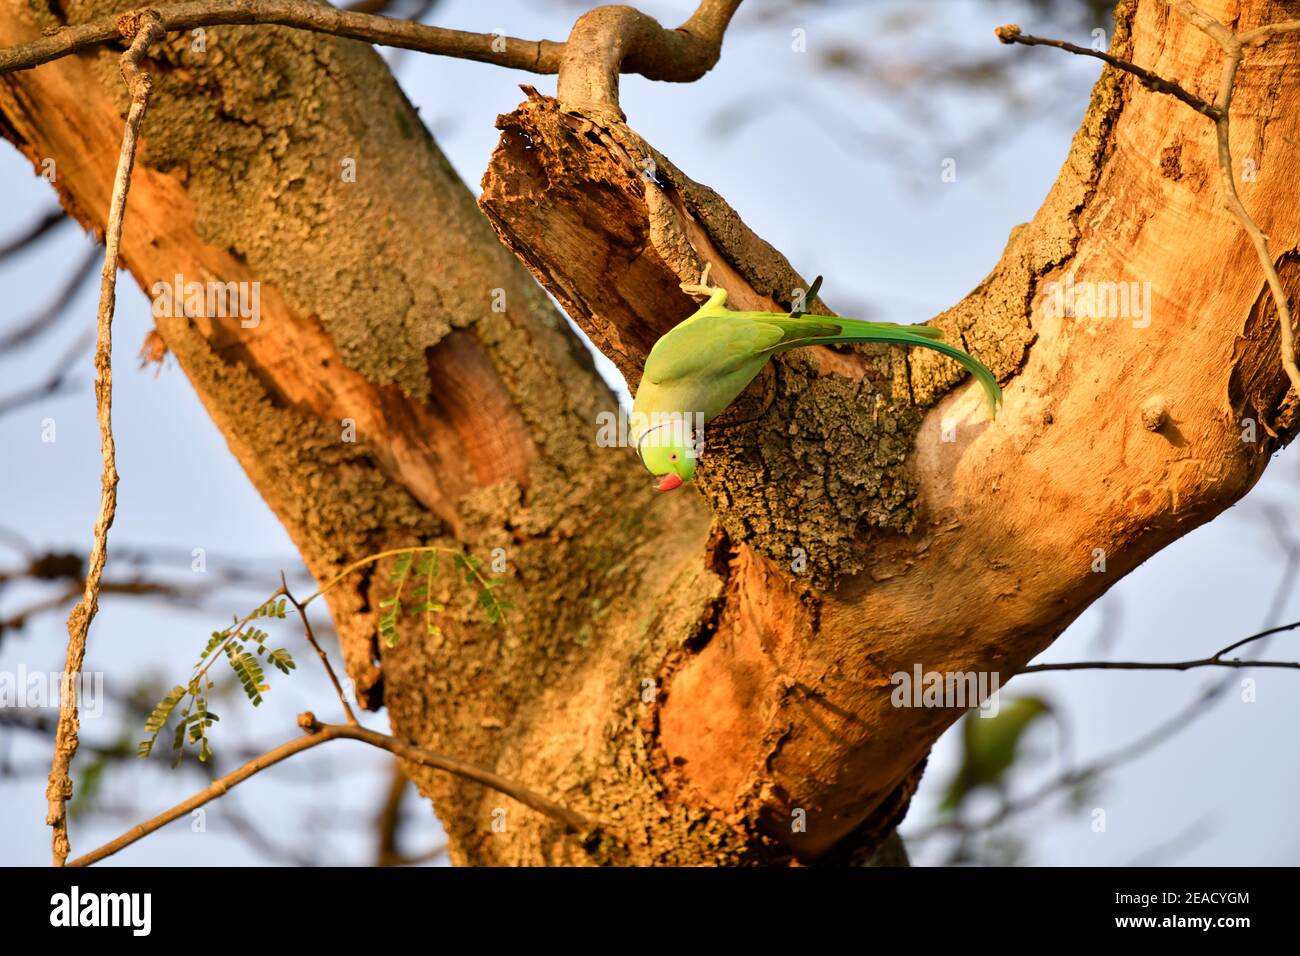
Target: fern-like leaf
x,y
249,672
157,718
282,660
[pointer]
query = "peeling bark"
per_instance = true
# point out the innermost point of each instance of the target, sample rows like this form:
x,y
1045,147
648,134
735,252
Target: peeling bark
x,y
665,671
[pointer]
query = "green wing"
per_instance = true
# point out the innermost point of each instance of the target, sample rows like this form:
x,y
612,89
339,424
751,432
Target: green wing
x,y
710,345
713,346
797,328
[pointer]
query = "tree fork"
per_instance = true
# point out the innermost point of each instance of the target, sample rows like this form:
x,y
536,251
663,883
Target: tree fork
x,y
785,706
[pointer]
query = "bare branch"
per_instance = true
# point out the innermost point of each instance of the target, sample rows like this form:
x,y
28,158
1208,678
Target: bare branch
x,y
1078,775
1261,35
1202,21
1011,34
59,788
45,318
618,39
1215,660
603,43
535,56
318,734
56,381
34,232
311,639
575,821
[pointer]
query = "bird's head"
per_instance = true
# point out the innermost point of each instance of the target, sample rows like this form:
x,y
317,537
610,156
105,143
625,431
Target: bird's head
x,y
669,455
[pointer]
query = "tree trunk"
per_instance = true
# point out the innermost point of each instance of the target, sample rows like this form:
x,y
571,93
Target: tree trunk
x,y
707,675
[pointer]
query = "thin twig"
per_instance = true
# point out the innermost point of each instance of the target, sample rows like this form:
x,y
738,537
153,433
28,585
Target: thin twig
x,y
44,319
59,788
1011,33
34,232
1115,758
318,734
1261,35
56,381
572,819
1156,665
1214,660
389,821
311,639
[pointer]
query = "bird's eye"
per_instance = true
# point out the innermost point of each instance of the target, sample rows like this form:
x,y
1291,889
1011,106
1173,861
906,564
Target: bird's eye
x,y
673,456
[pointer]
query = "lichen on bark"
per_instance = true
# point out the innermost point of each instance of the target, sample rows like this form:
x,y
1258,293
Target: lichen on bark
x,y
806,482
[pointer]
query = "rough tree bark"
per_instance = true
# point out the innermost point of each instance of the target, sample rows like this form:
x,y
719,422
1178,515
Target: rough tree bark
x,y
665,672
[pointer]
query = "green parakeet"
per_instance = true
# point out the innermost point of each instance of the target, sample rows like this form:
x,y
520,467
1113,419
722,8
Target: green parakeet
x,y
698,368
991,746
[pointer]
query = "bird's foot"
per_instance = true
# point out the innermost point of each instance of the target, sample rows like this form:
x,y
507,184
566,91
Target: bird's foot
x,y
702,287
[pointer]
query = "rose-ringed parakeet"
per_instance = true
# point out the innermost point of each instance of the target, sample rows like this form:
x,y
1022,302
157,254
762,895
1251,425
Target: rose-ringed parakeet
x,y
698,367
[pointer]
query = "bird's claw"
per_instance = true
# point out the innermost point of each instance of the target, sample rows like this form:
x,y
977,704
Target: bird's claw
x,y
702,287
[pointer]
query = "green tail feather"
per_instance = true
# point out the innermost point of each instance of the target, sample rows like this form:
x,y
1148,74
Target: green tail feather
x,y
855,331
920,336
973,365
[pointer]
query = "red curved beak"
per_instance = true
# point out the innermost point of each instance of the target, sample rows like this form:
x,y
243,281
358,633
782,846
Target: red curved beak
x,y
668,482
